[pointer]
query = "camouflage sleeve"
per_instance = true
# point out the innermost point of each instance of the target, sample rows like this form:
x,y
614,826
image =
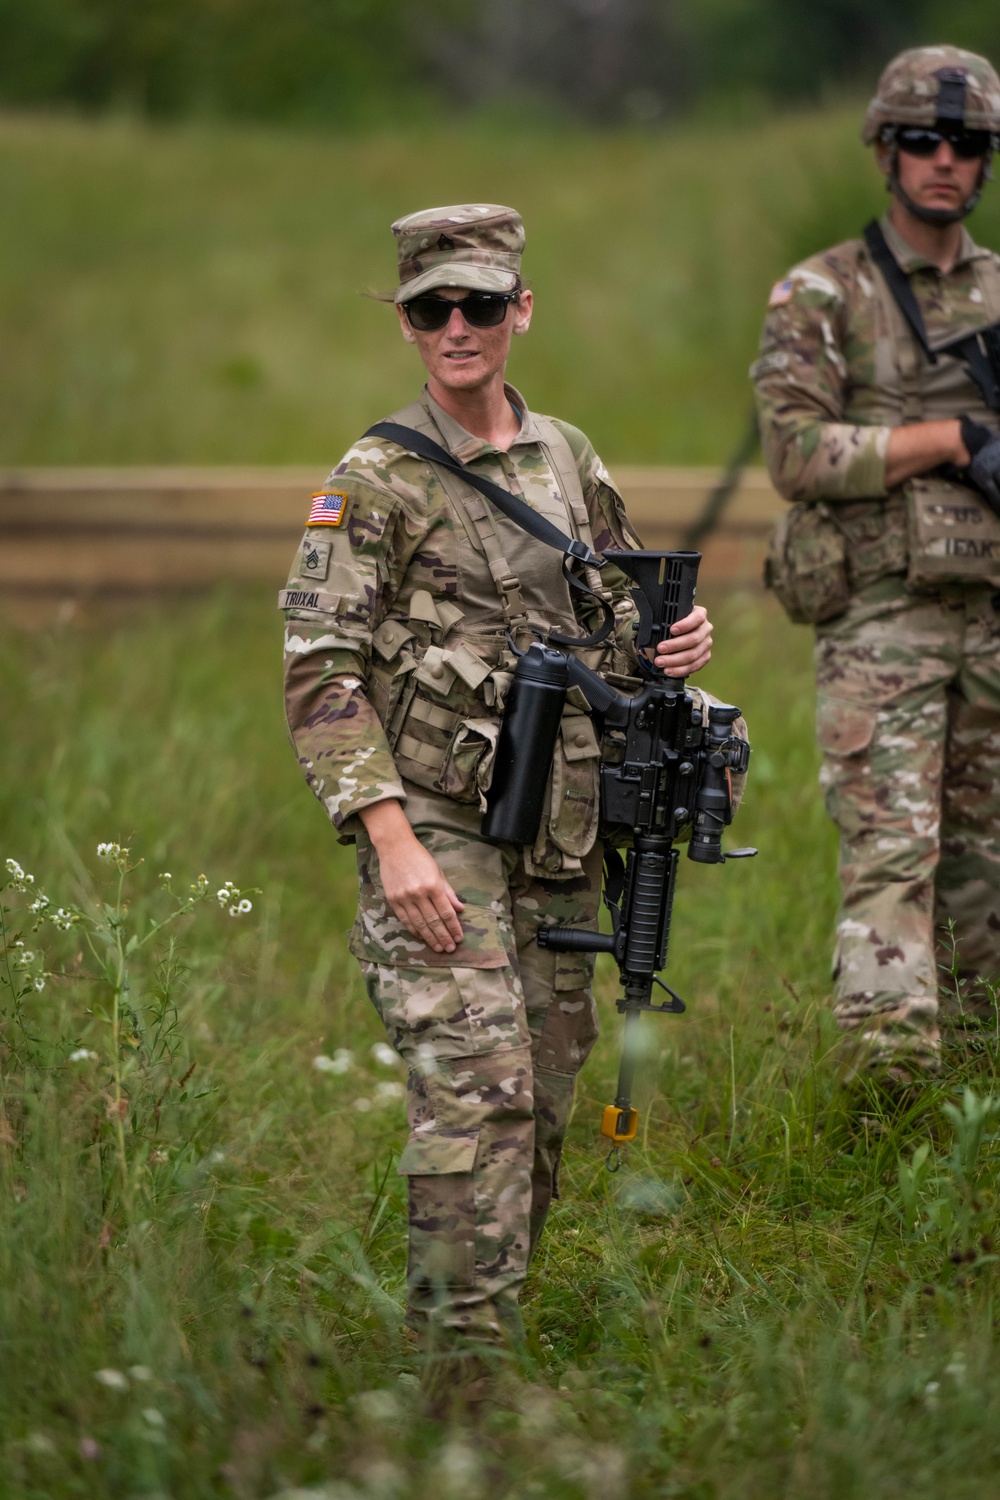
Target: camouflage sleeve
x,y
802,379
344,574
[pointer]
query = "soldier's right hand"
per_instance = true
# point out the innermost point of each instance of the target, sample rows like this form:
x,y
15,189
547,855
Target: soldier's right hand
x,y
983,470
412,879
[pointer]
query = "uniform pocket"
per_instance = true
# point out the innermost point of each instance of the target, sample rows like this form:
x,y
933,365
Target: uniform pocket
x,y
845,731
439,1013
569,1031
439,1154
379,937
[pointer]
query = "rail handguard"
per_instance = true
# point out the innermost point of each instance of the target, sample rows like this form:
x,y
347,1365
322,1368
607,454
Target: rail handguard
x,y
666,768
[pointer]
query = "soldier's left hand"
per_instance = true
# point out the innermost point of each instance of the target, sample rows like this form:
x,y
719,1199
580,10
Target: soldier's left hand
x,y
689,646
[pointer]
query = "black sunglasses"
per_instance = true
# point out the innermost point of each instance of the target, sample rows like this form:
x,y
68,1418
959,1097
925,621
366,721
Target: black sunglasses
x,y
966,144
479,309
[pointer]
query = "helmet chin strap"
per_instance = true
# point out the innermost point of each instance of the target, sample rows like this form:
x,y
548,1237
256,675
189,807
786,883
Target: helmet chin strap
x,y
934,215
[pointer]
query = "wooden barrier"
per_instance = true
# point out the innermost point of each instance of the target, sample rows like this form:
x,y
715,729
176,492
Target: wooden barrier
x,y
81,534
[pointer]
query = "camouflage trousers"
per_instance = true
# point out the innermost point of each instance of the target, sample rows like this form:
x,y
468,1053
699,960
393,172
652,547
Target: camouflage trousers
x,y
494,1035
908,719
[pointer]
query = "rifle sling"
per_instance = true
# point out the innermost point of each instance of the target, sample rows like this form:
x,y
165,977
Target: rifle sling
x,y
980,351
516,510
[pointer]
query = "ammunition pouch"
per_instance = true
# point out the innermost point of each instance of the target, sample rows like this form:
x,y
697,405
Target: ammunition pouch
x,y
822,552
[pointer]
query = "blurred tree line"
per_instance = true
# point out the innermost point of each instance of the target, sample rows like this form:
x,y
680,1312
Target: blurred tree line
x,y
357,61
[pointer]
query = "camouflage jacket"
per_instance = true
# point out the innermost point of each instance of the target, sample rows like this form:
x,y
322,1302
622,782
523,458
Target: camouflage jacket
x,y
395,638
831,377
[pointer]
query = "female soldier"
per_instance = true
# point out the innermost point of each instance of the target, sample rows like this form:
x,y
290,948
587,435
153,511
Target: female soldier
x,y
399,607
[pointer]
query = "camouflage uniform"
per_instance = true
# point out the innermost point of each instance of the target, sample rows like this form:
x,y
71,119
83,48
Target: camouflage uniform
x,y
908,671
396,665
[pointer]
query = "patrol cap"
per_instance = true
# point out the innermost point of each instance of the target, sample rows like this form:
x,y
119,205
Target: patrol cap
x,y
474,245
927,84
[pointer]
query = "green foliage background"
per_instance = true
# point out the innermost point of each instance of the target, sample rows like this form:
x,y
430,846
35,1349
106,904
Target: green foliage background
x,y
346,62
190,294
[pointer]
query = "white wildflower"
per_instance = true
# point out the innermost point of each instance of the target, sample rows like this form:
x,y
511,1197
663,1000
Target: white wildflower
x,y
165,876
389,1090
244,907
83,1054
378,1405
114,852
62,918
40,902
341,1062
225,894
115,1380
18,879
361,1106
200,886
384,1054
154,1417
140,1372
39,982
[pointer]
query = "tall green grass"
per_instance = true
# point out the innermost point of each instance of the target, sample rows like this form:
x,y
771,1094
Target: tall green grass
x,y
778,1295
189,294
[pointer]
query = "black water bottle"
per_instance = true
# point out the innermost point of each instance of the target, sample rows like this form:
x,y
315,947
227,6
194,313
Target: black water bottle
x,y
527,741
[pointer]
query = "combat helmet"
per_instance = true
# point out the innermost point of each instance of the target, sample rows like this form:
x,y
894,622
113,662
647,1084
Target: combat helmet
x,y
932,86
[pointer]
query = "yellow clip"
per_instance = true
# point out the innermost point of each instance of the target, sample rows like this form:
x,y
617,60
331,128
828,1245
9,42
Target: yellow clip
x,y
614,1118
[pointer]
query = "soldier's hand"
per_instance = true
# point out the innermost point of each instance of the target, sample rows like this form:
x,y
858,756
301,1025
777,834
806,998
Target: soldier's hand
x,y
983,470
412,879
689,646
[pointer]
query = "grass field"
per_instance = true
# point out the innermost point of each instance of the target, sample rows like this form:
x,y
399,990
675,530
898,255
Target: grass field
x,y
202,1239
189,295
773,1298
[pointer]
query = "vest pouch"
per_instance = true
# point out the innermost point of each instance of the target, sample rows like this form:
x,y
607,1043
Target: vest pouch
x,y
806,564
467,768
954,536
575,795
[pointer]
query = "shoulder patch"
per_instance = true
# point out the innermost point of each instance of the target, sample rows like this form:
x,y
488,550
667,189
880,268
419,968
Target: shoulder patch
x,y
329,508
315,561
781,293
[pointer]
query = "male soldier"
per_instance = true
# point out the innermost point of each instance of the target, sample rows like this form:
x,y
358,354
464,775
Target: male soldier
x,y
878,386
401,605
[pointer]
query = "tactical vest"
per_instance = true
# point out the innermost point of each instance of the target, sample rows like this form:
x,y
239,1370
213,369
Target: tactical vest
x,y
439,676
933,529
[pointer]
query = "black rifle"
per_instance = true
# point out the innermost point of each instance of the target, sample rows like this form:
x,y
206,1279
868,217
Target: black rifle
x,y
666,767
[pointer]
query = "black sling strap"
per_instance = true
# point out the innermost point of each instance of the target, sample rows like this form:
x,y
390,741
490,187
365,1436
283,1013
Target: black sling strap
x,y
980,351
516,510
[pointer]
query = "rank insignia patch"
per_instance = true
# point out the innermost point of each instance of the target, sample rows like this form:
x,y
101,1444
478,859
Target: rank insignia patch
x,y
328,508
315,559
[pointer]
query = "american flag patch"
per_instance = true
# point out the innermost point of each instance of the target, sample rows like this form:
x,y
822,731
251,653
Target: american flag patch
x,y
781,293
328,508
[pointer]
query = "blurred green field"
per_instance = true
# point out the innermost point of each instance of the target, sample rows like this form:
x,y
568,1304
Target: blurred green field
x,y
200,1292
192,295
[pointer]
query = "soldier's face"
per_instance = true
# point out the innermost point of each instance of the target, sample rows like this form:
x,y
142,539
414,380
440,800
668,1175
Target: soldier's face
x,y
460,357
942,181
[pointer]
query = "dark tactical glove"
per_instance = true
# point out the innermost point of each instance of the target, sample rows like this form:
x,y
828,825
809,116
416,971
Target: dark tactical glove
x,y
983,470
